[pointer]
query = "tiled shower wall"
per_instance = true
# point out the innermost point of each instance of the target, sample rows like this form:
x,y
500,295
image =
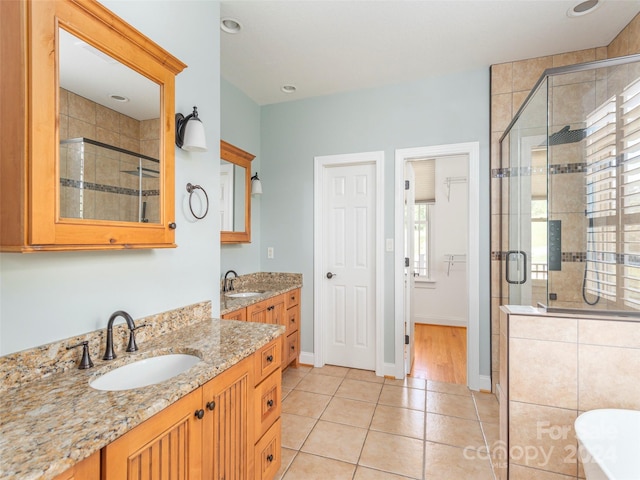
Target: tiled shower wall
x,y
80,117
510,84
595,366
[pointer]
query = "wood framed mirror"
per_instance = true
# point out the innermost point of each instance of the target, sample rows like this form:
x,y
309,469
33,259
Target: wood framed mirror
x,y
235,188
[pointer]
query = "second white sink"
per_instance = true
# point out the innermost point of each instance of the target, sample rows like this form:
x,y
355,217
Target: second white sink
x,y
145,372
243,294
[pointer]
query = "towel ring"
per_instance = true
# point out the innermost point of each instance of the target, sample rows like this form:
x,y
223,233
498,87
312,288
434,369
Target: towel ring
x,y
192,188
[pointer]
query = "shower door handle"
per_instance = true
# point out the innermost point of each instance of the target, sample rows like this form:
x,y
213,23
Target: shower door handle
x,y
516,255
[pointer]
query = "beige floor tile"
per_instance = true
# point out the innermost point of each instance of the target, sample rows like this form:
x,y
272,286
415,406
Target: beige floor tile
x,y
455,431
487,406
306,404
393,453
295,430
443,462
312,467
399,421
491,433
337,441
319,384
454,405
451,388
357,390
285,392
287,455
330,370
402,397
300,368
364,473
364,375
349,412
291,378
411,382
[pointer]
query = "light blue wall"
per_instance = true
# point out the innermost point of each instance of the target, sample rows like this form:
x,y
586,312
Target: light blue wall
x,y
50,296
240,126
440,110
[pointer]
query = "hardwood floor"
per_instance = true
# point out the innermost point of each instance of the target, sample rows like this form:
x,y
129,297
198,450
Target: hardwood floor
x,y
440,353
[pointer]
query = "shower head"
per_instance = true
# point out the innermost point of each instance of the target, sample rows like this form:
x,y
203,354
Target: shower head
x,y
142,172
566,135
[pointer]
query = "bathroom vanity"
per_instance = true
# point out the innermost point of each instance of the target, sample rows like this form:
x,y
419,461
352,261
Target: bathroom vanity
x,y
219,419
276,302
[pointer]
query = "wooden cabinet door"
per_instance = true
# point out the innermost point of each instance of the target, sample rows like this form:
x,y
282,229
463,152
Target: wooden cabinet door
x,y
236,315
277,312
258,312
87,469
227,443
268,311
168,446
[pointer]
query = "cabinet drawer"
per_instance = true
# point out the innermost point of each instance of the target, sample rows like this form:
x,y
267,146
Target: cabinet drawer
x,y
267,453
292,319
267,360
292,298
292,349
268,404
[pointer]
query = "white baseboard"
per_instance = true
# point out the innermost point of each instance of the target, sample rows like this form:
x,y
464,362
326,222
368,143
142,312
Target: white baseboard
x,y
484,382
307,358
446,321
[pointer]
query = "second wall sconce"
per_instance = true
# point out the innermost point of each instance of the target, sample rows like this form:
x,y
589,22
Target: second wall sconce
x,y
256,185
190,132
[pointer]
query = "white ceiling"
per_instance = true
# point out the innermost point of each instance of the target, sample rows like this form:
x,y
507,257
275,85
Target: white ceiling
x,y
330,46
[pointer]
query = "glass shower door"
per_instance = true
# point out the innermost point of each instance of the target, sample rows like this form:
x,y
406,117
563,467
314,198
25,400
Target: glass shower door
x,y
525,259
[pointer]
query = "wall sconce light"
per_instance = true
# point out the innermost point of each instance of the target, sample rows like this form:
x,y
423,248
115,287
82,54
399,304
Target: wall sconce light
x,y
190,132
256,185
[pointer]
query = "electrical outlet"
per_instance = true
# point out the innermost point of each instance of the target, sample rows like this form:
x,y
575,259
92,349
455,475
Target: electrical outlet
x,y
270,252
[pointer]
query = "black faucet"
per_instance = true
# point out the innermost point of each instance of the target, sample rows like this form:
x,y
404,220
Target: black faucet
x,y
227,287
109,354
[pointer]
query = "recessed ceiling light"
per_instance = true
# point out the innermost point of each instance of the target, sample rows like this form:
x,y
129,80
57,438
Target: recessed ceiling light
x,y
288,88
583,8
118,98
230,25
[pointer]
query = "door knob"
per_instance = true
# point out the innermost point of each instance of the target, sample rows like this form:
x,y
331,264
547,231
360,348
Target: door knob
x,y
331,275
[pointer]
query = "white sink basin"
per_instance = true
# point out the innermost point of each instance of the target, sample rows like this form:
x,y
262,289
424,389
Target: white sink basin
x,y
145,372
609,442
243,294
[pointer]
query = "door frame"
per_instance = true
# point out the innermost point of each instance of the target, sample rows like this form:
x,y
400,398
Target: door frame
x,y
321,163
472,150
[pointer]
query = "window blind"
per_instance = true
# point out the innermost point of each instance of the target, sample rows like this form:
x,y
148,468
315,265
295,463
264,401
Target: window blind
x,y
613,199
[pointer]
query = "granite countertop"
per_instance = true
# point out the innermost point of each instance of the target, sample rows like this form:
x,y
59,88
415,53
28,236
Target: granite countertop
x,y
269,284
50,424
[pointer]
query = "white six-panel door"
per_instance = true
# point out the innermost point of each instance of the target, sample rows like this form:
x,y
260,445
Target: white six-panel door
x,y
349,287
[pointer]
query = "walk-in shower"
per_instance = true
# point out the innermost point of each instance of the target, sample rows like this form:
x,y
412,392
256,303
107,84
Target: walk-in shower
x,y
104,182
571,159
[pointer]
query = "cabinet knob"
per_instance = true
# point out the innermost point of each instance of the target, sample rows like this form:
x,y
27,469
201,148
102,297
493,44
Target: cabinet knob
x,y
293,347
293,319
270,358
269,403
270,458
172,225
211,405
199,414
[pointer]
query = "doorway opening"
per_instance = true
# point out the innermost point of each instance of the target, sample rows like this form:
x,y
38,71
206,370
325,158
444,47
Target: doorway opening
x,y
446,269
440,353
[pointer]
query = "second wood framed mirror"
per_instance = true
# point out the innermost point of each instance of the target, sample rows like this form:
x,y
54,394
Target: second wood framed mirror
x,y
235,188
